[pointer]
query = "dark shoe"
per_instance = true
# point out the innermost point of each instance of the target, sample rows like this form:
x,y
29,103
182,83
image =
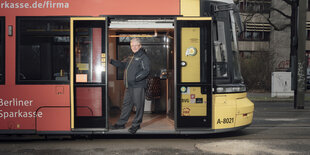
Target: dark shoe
x,y
133,129
116,126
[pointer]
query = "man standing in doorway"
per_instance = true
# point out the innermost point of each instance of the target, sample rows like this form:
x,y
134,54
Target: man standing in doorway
x,y
137,69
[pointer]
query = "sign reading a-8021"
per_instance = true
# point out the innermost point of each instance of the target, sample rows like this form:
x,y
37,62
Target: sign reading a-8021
x,y
225,121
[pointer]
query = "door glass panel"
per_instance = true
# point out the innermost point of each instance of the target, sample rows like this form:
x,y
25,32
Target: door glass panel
x,y
89,56
89,101
2,50
89,73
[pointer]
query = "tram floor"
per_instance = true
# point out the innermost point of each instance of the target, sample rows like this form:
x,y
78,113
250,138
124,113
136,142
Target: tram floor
x,y
151,122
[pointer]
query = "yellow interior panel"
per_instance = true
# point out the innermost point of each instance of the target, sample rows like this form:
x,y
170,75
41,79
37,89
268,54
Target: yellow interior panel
x,y
190,41
193,102
82,66
190,7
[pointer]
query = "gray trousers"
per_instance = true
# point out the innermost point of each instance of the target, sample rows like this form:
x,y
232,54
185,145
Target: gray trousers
x,y
133,97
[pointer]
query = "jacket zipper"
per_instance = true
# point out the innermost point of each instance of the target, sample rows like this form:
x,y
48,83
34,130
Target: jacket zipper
x,y
126,82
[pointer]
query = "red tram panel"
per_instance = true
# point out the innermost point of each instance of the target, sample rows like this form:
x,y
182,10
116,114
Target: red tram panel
x,y
51,103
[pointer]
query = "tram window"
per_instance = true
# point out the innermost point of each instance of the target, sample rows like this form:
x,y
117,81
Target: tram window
x,y
156,49
254,36
2,50
259,6
236,67
255,31
308,33
43,50
221,70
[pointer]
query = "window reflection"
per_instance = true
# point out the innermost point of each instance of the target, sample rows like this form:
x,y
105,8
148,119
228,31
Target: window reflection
x,y
156,49
2,50
89,59
254,36
220,49
43,49
221,60
259,6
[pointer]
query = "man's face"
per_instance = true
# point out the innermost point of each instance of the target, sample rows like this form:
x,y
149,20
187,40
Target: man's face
x,y
135,46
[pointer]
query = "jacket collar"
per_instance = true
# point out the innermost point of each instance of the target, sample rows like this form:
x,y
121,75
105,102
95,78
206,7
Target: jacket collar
x,y
140,52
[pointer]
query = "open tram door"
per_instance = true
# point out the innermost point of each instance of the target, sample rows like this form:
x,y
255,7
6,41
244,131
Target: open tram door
x,y
193,73
88,41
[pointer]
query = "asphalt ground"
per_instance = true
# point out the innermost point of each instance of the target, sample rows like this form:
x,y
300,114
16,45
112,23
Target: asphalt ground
x,y
267,97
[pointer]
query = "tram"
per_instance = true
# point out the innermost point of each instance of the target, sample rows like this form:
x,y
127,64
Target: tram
x,y
55,77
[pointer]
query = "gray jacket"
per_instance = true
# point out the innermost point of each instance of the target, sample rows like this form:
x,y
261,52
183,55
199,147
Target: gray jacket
x,y
137,68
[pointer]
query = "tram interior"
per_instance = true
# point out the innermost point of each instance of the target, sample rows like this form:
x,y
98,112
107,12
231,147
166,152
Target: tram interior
x,y
159,46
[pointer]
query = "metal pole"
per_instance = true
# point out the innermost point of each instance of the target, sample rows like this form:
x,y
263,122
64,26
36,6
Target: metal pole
x,y
299,98
294,44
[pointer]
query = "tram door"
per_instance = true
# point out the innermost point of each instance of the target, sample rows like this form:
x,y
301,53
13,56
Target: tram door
x,y
88,72
194,72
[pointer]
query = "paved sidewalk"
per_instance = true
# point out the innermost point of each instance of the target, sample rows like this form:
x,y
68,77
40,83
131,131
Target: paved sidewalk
x,y
266,96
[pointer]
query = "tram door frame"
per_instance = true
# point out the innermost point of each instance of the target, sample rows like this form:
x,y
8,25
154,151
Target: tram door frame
x,y
90,121
203,85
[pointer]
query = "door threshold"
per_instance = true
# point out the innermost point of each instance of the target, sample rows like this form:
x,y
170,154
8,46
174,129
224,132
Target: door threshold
x,y
141,131
89,129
